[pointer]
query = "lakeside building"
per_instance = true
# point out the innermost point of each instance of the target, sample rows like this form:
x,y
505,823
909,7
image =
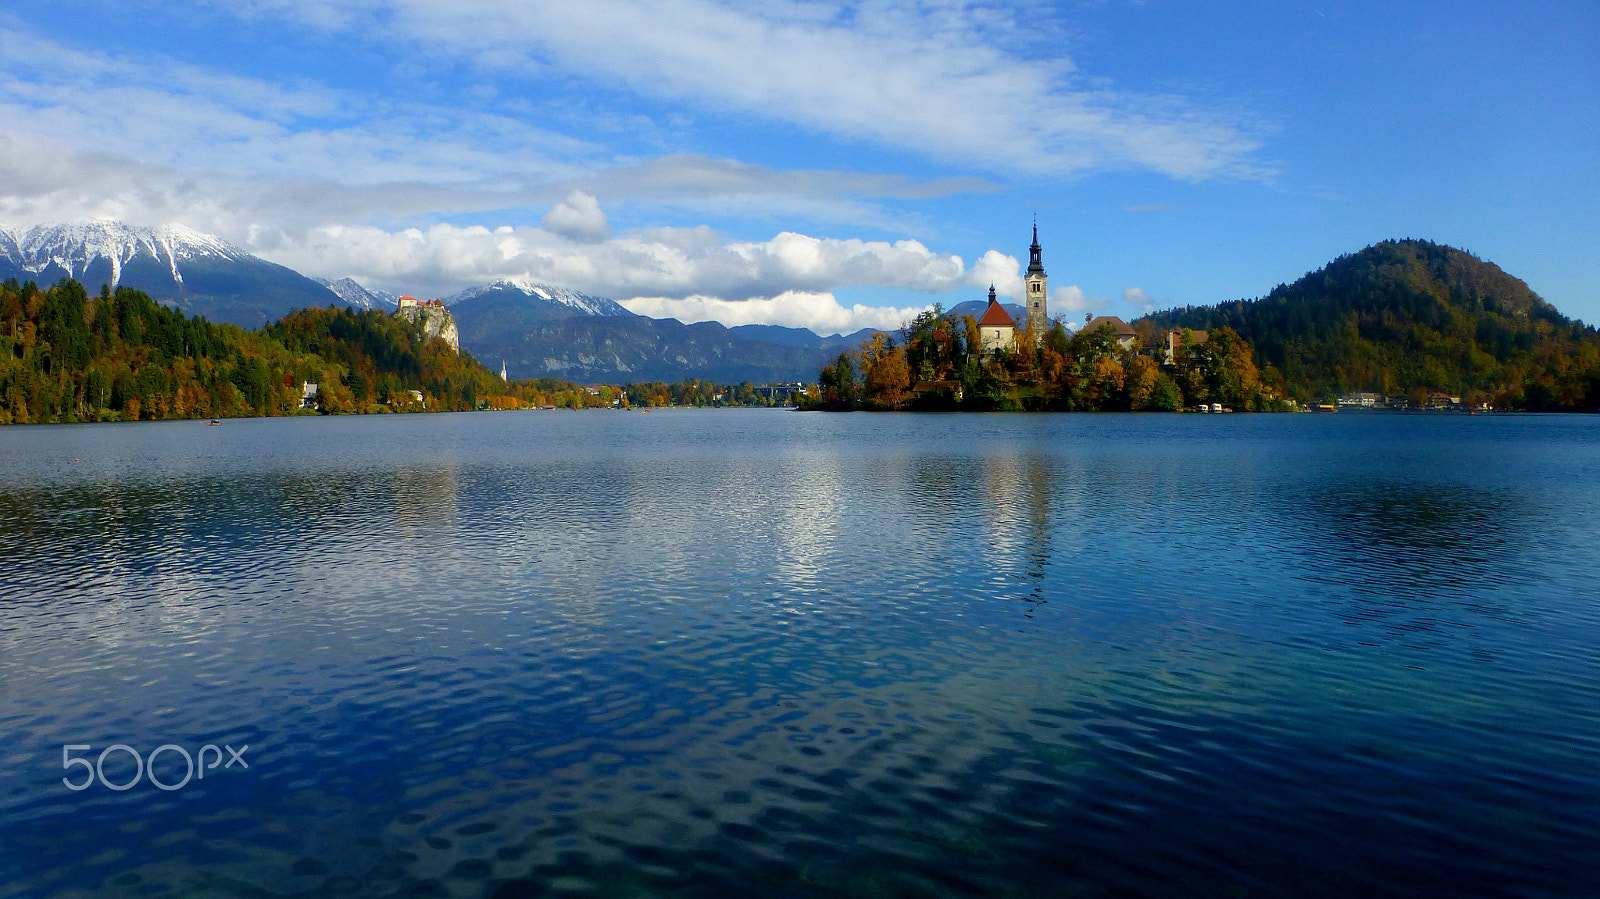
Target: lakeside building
x,y
780,391
1176,339
1125,338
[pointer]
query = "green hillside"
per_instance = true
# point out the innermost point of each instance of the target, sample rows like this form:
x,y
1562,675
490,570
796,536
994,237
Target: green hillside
x,y
1412,316
66,356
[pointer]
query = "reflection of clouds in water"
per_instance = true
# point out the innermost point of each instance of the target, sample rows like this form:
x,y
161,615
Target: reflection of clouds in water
x,y
807,533
1016,496
126,558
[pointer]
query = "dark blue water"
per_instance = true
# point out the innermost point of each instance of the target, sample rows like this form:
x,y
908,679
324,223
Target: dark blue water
x,y
779,654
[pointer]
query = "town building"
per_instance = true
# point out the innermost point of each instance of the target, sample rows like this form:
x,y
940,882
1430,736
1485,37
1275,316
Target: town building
x,y
1125,337
1177,339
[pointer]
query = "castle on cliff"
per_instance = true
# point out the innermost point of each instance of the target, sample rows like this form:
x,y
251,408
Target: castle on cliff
x,y
435,319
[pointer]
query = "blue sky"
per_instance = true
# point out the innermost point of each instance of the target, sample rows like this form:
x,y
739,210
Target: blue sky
x,y
824,164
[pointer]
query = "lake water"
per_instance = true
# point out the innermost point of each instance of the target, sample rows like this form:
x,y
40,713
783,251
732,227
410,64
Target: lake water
x,y
765,653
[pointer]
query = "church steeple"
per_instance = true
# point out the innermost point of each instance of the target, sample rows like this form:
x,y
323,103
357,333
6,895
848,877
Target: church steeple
x,y
1038,311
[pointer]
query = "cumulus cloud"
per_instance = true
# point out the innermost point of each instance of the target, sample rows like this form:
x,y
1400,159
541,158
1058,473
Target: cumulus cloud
x,y
999,270
664,262
1066,301
690,274
578,217
820,312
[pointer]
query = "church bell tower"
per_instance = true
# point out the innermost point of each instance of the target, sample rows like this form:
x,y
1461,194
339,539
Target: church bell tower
x,y
1038,312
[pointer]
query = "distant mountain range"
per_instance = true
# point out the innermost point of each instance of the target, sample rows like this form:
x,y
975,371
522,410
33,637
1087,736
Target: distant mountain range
x,y
541,331
803,337
537,330
198,273
358,297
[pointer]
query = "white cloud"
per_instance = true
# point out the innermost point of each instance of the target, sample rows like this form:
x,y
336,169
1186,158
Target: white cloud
x,y
999,270
958,82
43,180
820,312
1072,299
162,140
162,112
579,218
1138,299
664,262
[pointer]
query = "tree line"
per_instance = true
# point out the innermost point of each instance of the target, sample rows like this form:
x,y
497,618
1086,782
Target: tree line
x,y
67,356
1415,317
937,362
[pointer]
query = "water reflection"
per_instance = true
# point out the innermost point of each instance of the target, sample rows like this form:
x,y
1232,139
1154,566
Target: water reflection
x,y
694,655
424,497
1016,504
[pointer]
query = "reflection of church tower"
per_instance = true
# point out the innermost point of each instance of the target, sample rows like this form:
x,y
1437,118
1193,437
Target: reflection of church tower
x,y
1038,313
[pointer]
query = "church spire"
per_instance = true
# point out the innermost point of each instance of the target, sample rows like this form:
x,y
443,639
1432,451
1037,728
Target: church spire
x,y
1035,252
1037,304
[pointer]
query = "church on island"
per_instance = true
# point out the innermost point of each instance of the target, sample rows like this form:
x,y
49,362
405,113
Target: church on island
x,y
997,329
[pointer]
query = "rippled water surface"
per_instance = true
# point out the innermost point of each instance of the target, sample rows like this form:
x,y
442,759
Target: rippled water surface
x,y
765,653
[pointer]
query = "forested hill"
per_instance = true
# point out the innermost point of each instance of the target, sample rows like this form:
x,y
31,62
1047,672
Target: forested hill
x,y
1409,316
68,356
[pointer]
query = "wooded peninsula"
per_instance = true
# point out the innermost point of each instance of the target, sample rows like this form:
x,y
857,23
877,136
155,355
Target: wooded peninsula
x,y
1408,318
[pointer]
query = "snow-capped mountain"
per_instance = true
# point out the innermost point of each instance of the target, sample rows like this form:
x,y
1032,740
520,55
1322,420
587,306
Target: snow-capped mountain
x,y
199,273
541,295
76,248
361,297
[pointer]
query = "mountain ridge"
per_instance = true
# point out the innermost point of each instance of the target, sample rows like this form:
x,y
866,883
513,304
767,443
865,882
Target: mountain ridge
x,y
198,273
537,294
359,297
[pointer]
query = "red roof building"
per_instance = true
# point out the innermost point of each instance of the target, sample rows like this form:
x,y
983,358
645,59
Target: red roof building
x,y
997,330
